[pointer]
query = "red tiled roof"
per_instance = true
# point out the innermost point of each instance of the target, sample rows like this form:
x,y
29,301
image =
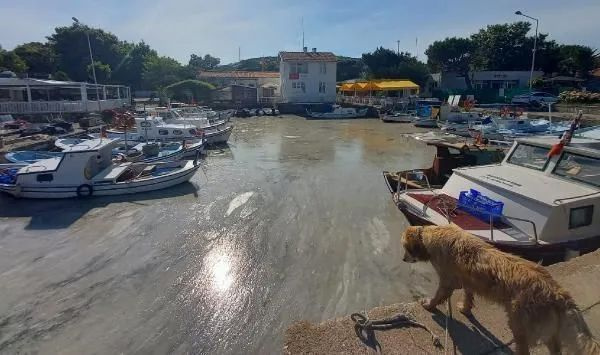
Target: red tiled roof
x,y
238,74
308,56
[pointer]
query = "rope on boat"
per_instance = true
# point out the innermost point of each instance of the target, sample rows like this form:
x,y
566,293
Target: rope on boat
x,y
365,328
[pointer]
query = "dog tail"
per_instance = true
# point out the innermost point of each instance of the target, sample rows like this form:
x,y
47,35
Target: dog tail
x,y
575,334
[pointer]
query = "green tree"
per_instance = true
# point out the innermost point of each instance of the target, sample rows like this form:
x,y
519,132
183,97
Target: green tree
x,y
103,72
576,59
9,60
130,70
70,43
508,47
349,68
207,63
60,76
387,64
189,90
40,58
162,71
452,55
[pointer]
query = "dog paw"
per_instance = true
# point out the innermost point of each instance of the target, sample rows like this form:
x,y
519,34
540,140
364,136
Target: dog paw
x,y
463,309
426,303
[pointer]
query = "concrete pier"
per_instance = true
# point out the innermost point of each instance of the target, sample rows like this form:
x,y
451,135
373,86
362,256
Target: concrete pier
x,y
484,333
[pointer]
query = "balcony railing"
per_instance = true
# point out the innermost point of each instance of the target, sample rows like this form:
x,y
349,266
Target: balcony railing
x,y
14,107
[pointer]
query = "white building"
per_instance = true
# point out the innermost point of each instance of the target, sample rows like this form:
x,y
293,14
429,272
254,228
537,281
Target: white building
x,y
505,79
307,77
31,96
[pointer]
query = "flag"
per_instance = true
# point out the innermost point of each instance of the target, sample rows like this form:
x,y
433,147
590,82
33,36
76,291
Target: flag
x,y
557,148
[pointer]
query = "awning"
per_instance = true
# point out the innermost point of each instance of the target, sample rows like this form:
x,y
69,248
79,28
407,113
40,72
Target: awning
x,y
379,85
391,85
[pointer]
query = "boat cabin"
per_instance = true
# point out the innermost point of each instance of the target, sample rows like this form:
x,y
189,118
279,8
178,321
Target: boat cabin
x,y
549,203
155,128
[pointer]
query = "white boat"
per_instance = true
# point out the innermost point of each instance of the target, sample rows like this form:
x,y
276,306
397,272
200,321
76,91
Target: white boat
x,y
154,128
399,117
201,121
338,112
29,156
550,204
426,122
87,169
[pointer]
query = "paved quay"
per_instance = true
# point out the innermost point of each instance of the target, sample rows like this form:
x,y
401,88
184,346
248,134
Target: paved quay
x,y
484,333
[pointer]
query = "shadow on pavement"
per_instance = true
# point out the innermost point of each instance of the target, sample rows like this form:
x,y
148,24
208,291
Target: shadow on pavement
x,y
61,213
470,339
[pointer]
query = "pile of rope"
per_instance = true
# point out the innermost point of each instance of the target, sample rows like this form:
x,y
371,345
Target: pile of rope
x,y
365,328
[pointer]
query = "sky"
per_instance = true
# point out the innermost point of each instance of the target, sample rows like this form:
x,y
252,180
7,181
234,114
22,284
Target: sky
x,y
178,28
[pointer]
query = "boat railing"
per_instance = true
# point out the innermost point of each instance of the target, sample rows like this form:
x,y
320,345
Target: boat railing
x,y
516,219
559,201
450,209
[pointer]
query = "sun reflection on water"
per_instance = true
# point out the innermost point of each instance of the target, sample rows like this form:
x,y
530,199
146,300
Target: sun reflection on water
x,y
222,277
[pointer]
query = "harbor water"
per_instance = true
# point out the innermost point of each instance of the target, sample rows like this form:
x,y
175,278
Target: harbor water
x,y
292,221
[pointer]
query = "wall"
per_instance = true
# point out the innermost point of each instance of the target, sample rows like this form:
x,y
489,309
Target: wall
x,y
311,82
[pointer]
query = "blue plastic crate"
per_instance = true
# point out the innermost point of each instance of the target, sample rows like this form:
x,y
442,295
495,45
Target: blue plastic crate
x,y
479,205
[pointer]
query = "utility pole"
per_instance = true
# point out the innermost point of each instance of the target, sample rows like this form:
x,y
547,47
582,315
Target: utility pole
x,y
398,41
239,53
537,22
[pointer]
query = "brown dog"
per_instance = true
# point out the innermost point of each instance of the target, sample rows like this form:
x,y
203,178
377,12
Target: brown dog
x,y
538,308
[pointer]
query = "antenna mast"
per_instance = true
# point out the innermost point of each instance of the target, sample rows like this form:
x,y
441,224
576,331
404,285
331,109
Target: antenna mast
x,y
302,32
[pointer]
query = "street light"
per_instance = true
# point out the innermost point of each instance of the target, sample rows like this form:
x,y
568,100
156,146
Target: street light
x,y
92,62
537,22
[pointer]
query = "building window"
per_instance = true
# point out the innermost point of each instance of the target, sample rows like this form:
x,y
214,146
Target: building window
x,y
299,85
145,124
581,216
322,87
323,68
299,68
177,132
163,132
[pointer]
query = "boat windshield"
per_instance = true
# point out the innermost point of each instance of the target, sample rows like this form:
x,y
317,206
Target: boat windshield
x,y
529,156
580,168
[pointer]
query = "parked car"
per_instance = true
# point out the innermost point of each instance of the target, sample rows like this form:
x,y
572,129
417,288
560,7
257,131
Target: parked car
x,y
536,98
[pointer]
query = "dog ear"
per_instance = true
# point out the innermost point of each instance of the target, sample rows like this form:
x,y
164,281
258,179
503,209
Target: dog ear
x,y
413,243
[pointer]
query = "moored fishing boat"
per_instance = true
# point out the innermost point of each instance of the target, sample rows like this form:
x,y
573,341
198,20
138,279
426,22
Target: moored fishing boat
x,y
29,156
87,169
549,202
338,112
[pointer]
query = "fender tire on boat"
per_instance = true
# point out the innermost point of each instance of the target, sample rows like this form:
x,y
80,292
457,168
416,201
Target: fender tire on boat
x,y
84,191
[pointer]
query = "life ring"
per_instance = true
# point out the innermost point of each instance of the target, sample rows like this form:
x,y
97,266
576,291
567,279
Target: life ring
x,y
85,190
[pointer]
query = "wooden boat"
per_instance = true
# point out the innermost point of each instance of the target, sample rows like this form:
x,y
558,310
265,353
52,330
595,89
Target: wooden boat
x,y
87,170
550,204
